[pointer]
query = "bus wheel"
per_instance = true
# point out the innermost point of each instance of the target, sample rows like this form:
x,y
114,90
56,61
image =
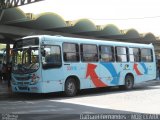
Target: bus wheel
x,y
70,87
129,82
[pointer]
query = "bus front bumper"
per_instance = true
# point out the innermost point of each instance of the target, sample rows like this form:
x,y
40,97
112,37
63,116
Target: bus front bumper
x,y
26,89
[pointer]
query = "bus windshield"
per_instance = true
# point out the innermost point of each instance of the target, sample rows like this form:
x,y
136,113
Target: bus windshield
x,y
25,60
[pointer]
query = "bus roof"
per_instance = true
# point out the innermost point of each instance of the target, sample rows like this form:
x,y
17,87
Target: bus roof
x,y
90,41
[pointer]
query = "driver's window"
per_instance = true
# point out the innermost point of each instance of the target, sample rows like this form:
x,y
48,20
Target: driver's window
x,y
19,57
34,56
52,57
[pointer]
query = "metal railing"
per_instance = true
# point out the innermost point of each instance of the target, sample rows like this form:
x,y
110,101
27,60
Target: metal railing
x,y
4,4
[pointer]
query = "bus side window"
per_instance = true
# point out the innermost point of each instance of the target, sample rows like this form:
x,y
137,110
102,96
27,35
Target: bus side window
x,y
70,52
52,58
106,53
134,54
121,54
89,53
146,55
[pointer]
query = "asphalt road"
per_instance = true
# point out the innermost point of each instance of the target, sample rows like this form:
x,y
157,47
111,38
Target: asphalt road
x,y
143,98
49,106
47,109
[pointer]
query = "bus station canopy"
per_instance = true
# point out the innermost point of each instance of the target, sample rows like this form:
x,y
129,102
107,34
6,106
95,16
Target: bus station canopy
x,y
14,23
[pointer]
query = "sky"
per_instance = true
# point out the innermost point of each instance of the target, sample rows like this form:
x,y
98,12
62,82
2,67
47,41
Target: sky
x,y
142,15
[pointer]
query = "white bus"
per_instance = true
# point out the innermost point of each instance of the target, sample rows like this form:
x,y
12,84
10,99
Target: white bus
x,y
44,64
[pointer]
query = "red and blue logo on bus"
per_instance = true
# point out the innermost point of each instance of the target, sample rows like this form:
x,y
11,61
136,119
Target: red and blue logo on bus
x,y
112,70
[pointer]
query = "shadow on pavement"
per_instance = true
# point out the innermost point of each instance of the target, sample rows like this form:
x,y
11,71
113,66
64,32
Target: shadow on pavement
x,y
55,110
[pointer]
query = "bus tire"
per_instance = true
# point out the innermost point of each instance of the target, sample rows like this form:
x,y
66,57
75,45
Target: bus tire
x,y
129,83
70,87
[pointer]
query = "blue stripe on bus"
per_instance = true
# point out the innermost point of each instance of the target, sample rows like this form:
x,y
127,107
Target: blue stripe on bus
x,y
145,68
113,72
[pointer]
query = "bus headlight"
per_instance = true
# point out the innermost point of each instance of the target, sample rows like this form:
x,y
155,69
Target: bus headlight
x,y
34,79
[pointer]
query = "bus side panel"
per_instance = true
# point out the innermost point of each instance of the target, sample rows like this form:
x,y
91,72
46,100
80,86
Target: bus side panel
x,y
110,73
149,71
121,71
140,71
89,74
93,75
52,80
114,73
144,71
80,70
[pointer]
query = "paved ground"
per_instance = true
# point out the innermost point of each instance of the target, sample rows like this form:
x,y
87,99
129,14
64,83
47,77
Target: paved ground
x,y
47,107
144,98
5,91
50,107
141,100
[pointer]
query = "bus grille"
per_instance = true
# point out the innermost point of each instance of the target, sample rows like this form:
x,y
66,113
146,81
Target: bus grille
x,y
23,78
22,83
23,88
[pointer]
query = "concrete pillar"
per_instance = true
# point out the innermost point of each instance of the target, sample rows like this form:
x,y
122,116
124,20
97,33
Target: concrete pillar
x,y
7,53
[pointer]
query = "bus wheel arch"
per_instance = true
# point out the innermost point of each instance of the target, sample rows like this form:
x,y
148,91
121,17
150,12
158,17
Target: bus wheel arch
x,y
128,82
71,86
